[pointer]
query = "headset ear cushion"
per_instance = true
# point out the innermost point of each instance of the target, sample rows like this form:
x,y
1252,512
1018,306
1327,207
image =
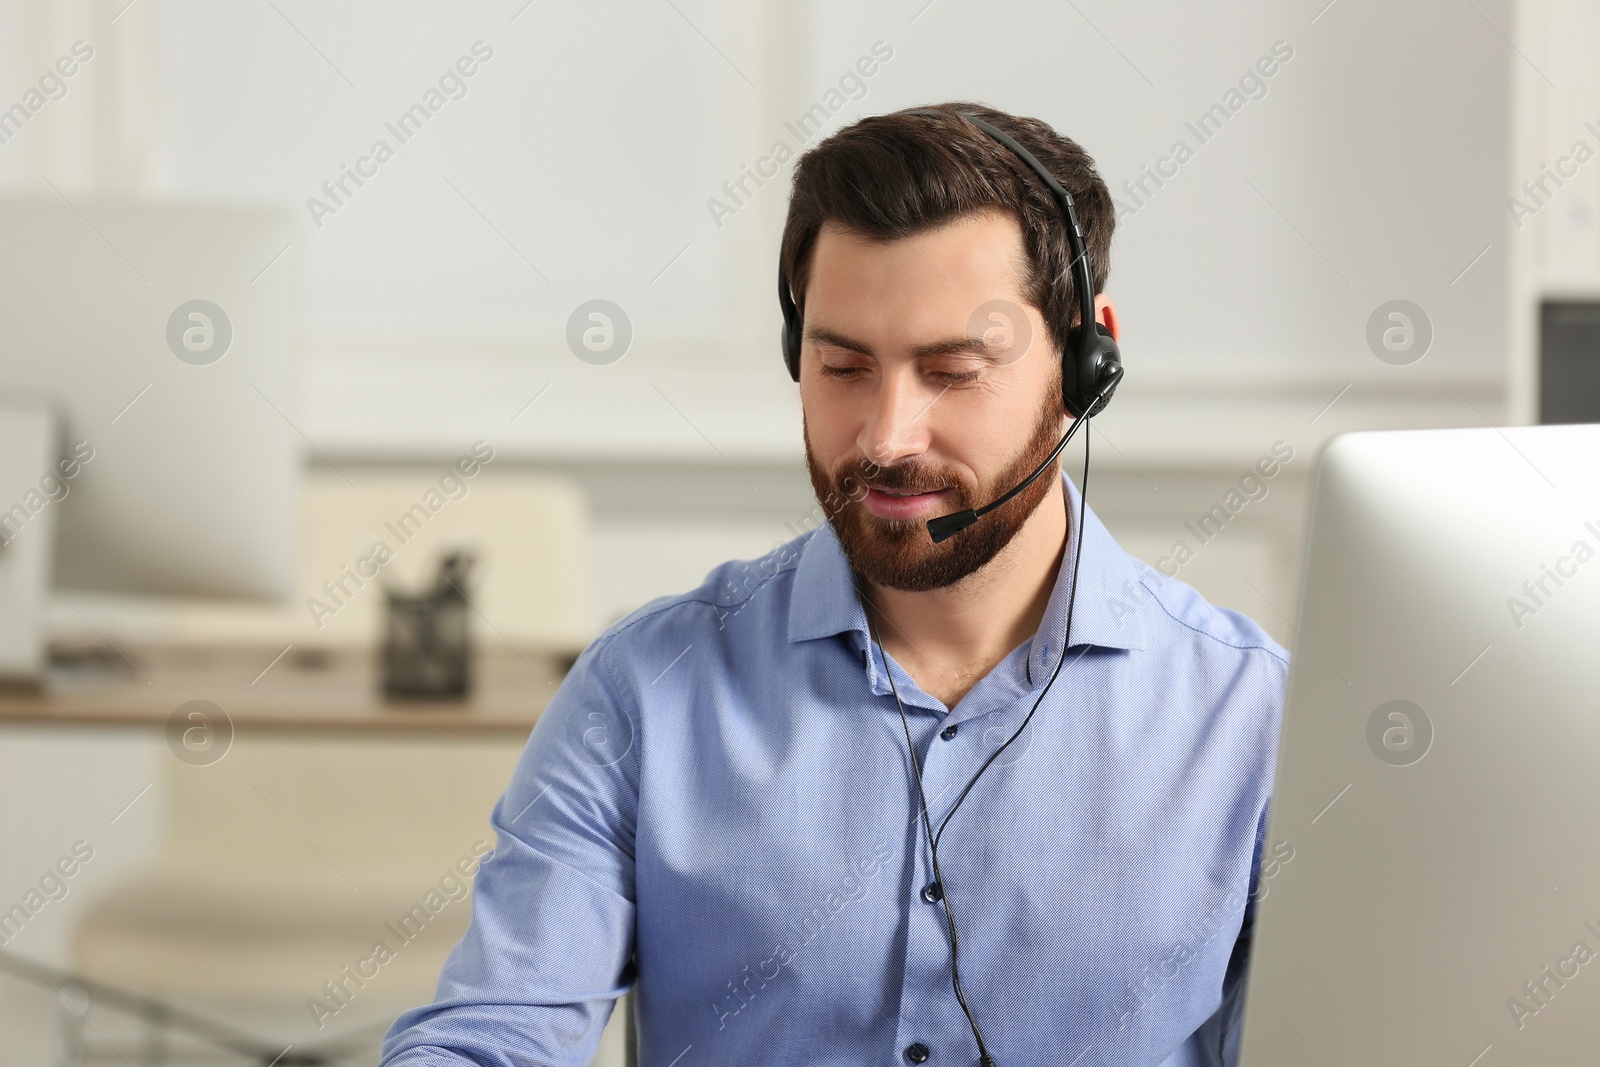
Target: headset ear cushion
x,y
1084,373
1104,370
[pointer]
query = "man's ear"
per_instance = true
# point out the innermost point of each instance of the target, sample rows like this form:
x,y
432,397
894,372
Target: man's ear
x,y
1105,313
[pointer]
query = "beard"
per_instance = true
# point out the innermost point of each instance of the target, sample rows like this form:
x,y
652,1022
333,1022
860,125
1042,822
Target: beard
x,y
899,553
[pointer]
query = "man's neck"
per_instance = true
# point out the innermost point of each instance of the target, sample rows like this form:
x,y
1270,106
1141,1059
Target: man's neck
x,y
947,639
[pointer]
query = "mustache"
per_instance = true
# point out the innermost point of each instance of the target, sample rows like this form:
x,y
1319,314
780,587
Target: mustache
x,y
908,477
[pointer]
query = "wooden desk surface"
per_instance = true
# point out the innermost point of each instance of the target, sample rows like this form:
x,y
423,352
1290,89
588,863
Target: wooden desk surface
x,y
304,690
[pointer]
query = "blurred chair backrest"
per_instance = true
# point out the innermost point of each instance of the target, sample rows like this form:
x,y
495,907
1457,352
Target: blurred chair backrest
x,y
370,809
528,531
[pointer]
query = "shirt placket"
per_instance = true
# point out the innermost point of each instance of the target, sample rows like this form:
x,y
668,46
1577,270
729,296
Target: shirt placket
x,y
951,747
931,1027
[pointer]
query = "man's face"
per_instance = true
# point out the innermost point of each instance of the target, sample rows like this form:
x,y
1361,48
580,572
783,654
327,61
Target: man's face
x,y
928,385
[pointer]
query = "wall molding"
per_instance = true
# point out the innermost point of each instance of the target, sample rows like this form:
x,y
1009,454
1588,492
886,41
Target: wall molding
x,y
416,400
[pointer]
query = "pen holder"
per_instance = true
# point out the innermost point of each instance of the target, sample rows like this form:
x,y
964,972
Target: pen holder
x,y
427,653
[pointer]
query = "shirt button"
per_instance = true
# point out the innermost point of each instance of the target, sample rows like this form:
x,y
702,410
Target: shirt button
x,y
932,893
917,1052
948,733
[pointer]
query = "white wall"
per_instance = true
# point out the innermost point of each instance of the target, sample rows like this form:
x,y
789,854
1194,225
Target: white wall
x,y
586,150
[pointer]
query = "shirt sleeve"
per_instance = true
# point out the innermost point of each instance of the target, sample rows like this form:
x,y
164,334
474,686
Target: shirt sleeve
x,y
549,947
1231,1014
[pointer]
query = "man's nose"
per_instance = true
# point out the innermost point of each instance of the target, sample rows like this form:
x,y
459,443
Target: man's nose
x,y
896,426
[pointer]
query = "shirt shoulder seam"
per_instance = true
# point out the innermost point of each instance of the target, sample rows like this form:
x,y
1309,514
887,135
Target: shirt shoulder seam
x,y
697,597
1156,596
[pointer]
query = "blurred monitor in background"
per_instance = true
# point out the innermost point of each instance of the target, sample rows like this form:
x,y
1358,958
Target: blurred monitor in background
x,y
158,339
161,335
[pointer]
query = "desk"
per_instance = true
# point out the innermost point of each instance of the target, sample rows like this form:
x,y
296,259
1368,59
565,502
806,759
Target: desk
x,y
243,899
307,689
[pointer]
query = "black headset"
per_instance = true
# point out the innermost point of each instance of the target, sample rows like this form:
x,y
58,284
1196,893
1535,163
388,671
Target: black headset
x,y
1091,366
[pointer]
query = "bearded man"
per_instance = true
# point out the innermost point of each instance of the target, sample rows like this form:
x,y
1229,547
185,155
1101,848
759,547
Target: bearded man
x,y
876,798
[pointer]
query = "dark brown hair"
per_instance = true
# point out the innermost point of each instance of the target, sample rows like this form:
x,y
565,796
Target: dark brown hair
x,y
891,176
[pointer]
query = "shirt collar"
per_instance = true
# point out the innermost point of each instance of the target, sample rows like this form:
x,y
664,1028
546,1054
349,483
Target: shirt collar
x,y
1107,614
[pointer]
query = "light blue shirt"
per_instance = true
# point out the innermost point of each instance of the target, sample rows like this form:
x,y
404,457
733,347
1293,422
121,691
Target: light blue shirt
x,y
717,810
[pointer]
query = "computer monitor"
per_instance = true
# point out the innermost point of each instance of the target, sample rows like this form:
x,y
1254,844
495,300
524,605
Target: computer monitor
x,y
1435,891
163,336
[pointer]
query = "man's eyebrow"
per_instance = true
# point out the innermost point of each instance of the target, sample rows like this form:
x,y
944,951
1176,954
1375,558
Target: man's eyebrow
x,y
944,347
951,345
822,335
